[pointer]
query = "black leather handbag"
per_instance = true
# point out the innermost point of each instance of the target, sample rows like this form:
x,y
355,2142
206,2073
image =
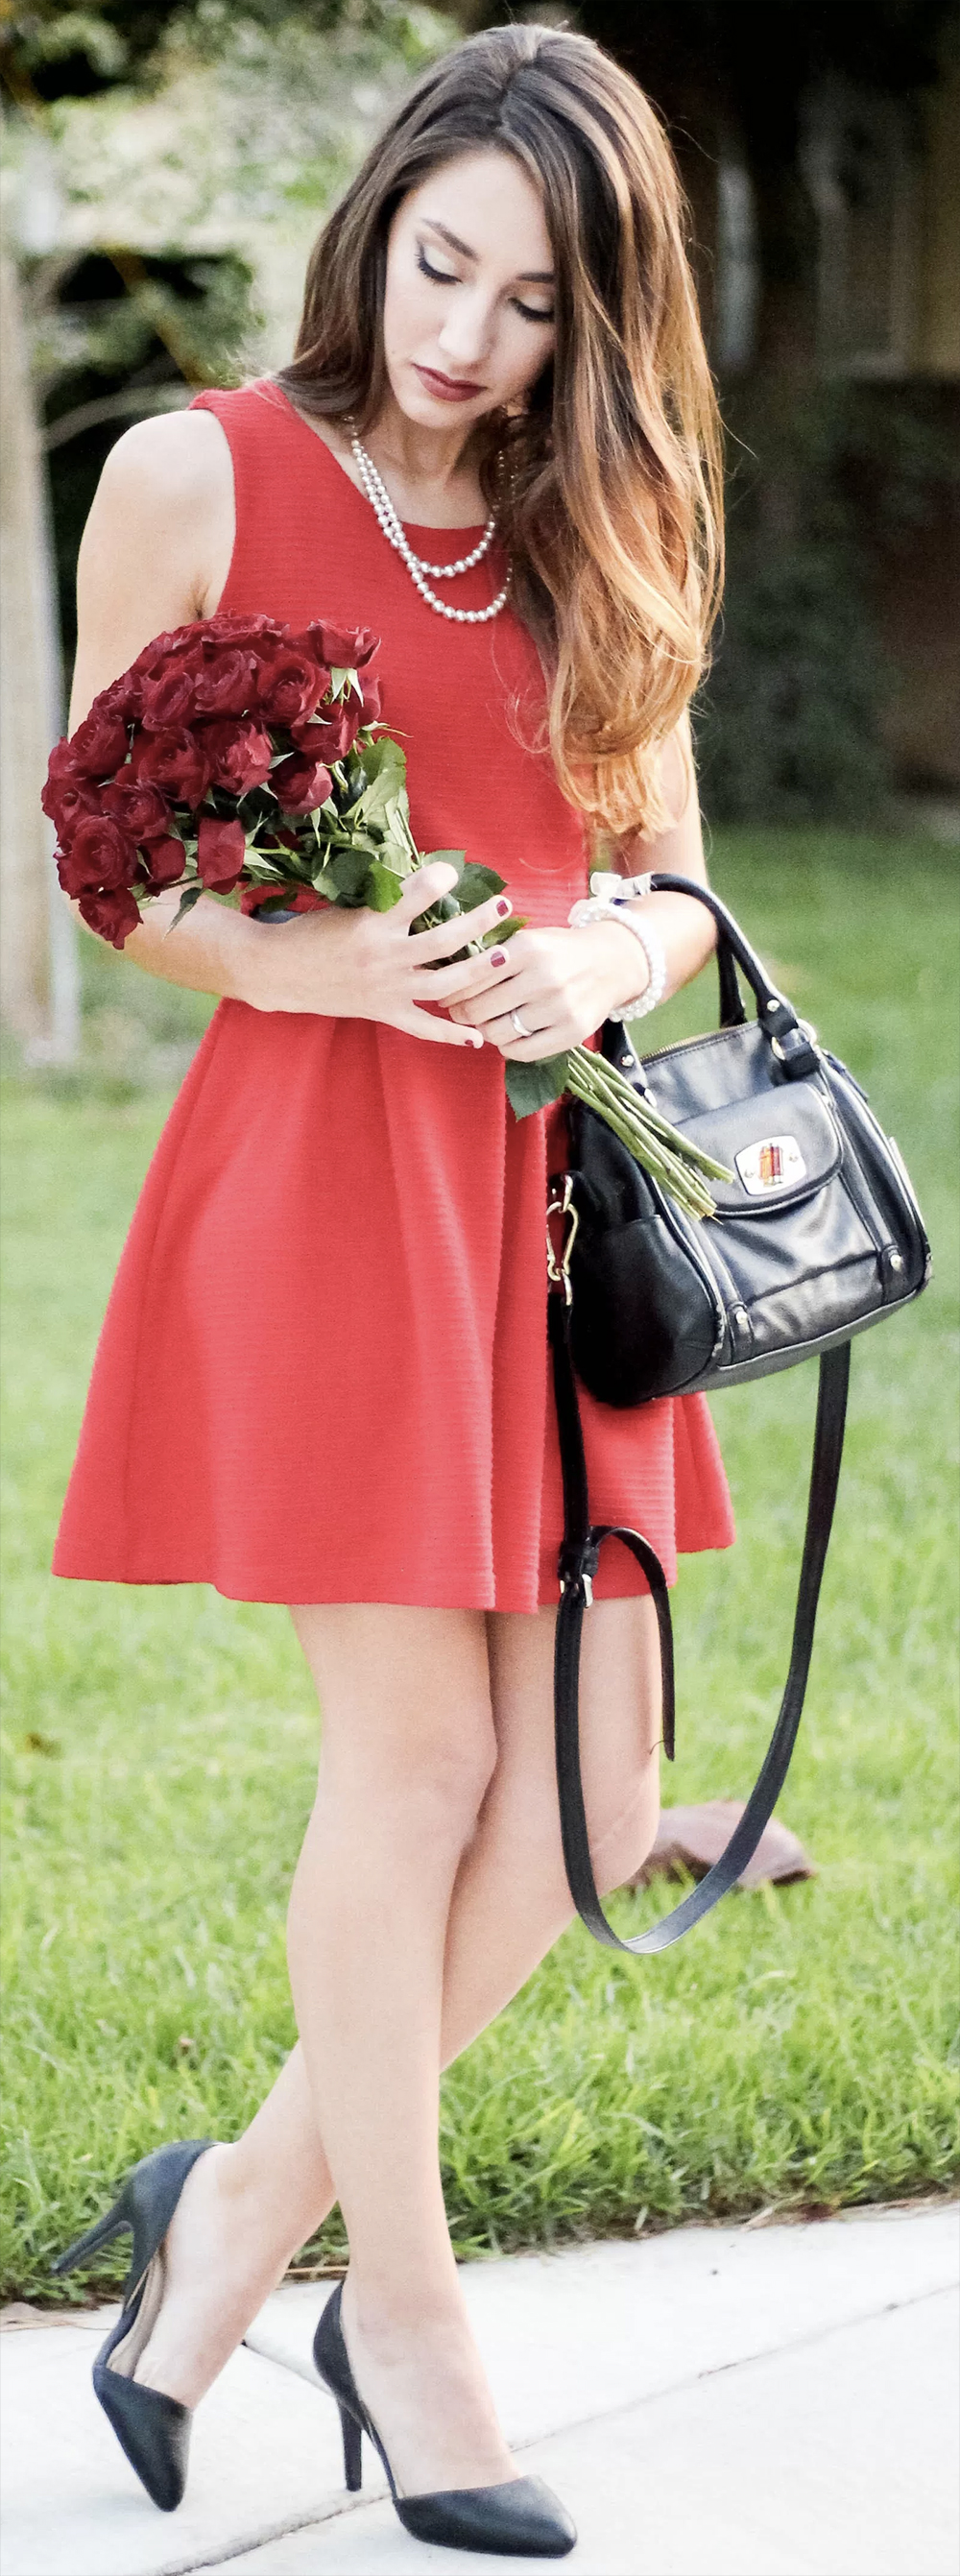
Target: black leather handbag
x,y
817,1235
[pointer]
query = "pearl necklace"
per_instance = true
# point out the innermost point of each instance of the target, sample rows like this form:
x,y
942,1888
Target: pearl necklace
x,y
379,498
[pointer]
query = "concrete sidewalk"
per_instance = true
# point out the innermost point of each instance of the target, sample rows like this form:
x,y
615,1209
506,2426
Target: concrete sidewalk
x,y
758,2401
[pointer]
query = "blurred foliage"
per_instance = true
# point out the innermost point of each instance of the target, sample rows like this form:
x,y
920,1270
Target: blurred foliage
x,y
48,53
166,174
790,720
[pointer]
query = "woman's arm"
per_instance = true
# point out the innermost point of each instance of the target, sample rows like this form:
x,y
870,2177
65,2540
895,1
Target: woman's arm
x,y
686,929
564,983
155,554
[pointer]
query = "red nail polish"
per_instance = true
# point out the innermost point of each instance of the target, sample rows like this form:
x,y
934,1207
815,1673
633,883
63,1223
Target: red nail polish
x,y
497,956
503,908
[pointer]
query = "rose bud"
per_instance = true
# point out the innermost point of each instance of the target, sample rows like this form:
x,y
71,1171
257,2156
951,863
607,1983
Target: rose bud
x,y
289,687
166,861
345,648
301,783
141,809
99,854
221,851
100,742
372,698
175,762
239,755
112,915
333,731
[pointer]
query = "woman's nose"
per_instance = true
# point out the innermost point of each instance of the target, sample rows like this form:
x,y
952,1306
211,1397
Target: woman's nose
x,y
467,331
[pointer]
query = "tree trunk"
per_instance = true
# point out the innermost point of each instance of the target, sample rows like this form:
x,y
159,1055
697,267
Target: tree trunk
x,y
38,959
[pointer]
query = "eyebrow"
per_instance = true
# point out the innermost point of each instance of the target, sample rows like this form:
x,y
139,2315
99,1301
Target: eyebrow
x,y
527,277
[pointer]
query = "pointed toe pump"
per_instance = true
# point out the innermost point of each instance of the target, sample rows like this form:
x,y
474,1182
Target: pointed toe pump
x,y
151,2428
520,2519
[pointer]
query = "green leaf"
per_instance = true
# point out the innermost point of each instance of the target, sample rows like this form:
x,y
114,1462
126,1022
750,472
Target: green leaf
x,y
451,859
382,802
348,869
533,1086
383,887
189,897
477,884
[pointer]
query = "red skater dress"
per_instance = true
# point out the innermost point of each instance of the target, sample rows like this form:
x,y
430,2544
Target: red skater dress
x,y
323,1373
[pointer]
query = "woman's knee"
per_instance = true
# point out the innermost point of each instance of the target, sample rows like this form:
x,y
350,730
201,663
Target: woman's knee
x,y
407,1723
416,1778
523,1810
620,1847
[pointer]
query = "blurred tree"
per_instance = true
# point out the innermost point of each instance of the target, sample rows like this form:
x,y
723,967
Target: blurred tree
x,y
793,723
166,170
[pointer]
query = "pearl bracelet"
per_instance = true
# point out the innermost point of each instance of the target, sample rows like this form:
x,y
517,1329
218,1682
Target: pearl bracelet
x,y
602,905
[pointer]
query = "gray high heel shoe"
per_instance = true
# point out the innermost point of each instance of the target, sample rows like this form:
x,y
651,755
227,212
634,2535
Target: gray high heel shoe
x,y
521,2519
151,2428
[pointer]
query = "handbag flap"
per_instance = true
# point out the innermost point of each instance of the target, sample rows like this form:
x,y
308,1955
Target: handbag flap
x,y
782,1145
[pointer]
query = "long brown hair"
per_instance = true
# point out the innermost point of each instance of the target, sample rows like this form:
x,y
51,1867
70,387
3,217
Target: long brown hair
x,y
608,485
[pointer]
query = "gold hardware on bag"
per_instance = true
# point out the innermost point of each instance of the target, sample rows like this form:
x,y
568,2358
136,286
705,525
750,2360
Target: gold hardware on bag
x,y
558,1272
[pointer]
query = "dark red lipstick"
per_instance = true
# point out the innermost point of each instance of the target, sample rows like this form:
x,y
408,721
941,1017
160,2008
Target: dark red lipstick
x,y
446,388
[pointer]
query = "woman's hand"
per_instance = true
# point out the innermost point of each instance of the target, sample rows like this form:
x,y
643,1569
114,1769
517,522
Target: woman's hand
x,y
372,965
561,982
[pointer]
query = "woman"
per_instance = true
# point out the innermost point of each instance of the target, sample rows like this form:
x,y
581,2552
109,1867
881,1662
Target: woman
x,y
323,1378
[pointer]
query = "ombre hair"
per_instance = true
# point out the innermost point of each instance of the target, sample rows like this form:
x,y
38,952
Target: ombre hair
x,y
608,483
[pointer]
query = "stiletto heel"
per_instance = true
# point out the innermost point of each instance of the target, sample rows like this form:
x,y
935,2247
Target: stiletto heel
x,y
95,2236
151,2428
520,2519
352,2449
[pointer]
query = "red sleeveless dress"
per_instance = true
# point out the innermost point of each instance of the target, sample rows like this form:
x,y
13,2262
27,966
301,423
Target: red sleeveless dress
x,y
323,1370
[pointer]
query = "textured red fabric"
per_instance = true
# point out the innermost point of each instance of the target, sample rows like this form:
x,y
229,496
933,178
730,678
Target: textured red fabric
x,y
323,1370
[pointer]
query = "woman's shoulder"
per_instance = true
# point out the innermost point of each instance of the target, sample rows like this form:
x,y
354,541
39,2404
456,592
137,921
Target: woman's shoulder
x,y
175,457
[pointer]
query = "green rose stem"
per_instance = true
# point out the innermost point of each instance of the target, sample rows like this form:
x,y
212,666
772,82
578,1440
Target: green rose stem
x,y
660,1149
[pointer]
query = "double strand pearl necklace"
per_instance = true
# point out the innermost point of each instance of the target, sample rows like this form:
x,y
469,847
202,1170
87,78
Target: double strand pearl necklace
x,y
379,497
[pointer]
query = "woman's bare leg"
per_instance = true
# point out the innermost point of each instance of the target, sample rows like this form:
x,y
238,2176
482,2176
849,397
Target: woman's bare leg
x,y
248,2207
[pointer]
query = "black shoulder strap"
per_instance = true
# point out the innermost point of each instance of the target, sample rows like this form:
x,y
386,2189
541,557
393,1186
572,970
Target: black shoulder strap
x,y
578,1564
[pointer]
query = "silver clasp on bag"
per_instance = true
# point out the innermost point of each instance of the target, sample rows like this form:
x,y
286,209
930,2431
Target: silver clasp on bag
x,y
558,1271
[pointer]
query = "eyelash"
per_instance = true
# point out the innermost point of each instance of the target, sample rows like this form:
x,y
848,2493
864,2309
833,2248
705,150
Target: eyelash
x,y
441,279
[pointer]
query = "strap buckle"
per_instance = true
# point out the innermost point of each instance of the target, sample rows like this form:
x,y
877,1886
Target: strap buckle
x,y
560,1204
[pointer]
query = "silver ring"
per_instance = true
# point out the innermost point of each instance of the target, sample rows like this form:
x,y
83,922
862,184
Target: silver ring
x,y
521,1026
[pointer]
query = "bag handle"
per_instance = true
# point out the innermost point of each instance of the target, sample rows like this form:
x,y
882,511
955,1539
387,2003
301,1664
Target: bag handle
x,y
791,1045
579,1556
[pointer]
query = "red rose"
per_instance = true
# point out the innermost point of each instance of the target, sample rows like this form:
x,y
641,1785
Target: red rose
x,y
233,626
221,851
99,855
175,762
99,745
112,915
332,732
372,698
289,686
169,695
301,783
166,862
141,809
239,755
224,680
342,647
64,795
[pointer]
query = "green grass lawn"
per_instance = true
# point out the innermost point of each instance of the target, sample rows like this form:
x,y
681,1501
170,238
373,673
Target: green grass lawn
x,y
798,2050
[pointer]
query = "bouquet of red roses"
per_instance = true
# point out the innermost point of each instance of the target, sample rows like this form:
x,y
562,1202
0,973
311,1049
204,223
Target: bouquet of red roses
x,y
236,754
